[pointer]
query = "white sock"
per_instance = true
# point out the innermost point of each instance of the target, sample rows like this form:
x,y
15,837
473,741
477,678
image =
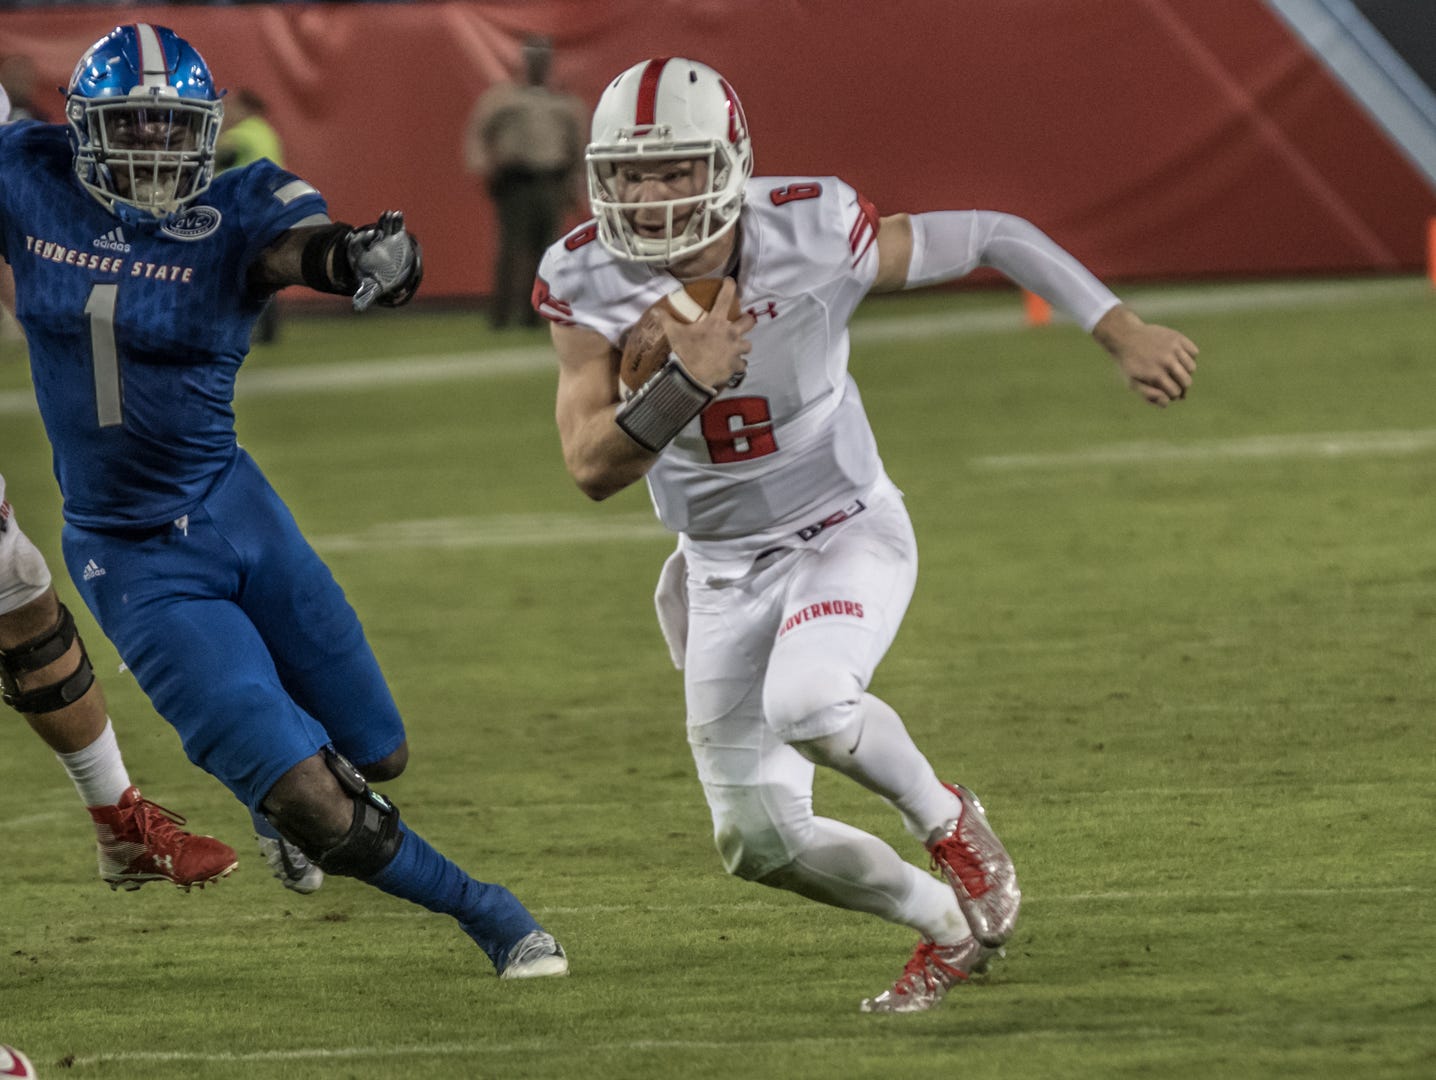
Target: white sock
x,y
877,752
851,869
98,770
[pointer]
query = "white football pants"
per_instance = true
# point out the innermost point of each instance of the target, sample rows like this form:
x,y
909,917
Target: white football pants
x,y
784,655
24,576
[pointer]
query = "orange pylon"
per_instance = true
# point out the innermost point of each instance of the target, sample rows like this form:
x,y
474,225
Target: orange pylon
x,y
1039,311
1431,250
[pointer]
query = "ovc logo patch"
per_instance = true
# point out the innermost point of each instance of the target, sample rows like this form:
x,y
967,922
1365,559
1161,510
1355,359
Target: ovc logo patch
x,y
194,224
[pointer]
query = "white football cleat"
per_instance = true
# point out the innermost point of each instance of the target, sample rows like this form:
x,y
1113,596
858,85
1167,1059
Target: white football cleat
x,y
534,956
290,865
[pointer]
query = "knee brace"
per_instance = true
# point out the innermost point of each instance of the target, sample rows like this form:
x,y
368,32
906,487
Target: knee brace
x,y
373,838
37,653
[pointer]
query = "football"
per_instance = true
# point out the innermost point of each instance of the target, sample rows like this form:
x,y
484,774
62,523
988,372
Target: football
x,y
14,1063
645,347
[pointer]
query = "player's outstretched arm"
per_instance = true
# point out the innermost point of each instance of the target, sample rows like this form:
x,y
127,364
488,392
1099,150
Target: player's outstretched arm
x,y
925,249
379,263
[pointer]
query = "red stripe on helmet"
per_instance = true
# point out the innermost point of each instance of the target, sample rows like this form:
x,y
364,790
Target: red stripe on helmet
x,y
737,122
648,92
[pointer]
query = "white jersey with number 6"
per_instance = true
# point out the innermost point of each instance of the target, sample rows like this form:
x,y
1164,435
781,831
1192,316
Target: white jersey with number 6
x,y
792,441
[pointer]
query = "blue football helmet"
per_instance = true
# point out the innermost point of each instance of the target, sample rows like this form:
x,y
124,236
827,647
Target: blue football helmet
x,y
144,116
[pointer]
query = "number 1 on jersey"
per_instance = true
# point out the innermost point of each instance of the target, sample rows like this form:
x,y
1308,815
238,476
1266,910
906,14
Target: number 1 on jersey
x,y
100,307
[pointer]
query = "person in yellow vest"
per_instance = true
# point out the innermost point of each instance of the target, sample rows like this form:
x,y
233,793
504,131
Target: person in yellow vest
x,y
246,137
524,142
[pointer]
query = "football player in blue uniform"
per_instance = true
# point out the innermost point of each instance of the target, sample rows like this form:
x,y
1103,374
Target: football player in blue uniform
x,y
45,675
139,275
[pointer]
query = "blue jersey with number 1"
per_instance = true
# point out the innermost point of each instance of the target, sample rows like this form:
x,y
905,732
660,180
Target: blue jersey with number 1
x,y
136,332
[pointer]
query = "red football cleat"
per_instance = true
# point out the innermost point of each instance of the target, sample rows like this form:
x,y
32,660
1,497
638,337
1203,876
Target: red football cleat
x,y
141,841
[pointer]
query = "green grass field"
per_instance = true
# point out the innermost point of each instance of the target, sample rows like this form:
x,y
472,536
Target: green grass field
x,y
1186,657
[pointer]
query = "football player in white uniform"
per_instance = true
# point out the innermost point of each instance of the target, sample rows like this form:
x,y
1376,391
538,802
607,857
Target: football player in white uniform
x,y
795,559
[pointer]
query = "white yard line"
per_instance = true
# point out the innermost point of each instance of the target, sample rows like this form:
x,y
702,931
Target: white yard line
x,y
323,917
460,1049
451,367
33,819
496,530
545,1047
1332,444
1153,303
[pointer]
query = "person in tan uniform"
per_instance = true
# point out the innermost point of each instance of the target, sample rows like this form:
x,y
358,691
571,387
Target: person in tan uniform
x,y
525,143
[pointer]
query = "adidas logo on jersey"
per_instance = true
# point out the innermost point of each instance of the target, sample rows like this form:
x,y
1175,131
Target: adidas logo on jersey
x,y
114,240
93,570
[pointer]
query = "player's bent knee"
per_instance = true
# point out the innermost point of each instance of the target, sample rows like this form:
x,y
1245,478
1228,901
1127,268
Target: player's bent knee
x,y
750,854
751,839
371,840
26,590
39,653
834,750
387,768
820,701
787,877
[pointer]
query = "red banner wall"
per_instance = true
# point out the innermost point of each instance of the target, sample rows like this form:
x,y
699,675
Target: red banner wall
x,y
1154,138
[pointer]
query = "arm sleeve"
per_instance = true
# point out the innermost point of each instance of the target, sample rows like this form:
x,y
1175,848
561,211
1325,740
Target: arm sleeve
x,y
949,244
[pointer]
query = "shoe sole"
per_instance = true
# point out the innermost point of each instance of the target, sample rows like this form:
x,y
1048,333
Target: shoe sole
x,y
132,882
536,970
295,888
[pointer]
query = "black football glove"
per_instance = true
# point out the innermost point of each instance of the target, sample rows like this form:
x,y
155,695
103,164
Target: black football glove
x,y
387,261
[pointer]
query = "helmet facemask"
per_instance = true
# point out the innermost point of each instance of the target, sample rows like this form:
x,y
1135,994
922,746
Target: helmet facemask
x,y
661,111
150,150
711,212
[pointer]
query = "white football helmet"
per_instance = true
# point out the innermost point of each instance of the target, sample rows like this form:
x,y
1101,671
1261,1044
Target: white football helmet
x,y
659,110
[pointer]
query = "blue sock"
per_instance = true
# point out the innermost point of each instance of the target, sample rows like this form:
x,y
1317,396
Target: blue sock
x,y
489,914
262,827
